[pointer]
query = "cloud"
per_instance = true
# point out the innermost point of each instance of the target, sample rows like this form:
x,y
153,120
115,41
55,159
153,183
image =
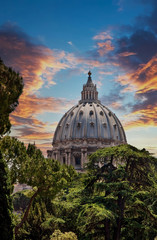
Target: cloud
x,y
31,60
37,64
28,134
104,47
32,105
114,98
102,36
20,121
133,51
144,111
70,43
126,54
144,78
105,72
143,45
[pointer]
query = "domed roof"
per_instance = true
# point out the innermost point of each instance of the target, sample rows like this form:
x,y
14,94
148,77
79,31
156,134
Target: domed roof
x,y
89,119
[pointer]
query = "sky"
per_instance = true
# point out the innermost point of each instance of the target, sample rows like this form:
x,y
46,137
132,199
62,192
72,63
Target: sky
x,y
54,43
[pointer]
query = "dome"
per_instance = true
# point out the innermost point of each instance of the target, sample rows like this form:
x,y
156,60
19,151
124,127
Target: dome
x,y
86,127
89,120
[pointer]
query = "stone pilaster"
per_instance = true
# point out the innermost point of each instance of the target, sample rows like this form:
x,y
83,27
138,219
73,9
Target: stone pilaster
x,y
82,158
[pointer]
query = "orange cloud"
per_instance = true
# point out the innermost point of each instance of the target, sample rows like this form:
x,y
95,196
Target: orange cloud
x,y
102,36
25,118
31,105
39,133
20,121
105,73
104,47
37,64
141,118
126,54
116,105
143,81
144,78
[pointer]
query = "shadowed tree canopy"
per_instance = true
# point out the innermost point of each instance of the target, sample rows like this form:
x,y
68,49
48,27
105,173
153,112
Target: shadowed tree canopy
x,y
6,225
11,85
28,165
120,195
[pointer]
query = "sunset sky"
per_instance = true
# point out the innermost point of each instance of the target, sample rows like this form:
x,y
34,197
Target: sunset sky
x,y
54,43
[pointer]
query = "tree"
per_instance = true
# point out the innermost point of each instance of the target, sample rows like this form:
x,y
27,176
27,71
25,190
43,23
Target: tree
x,y
46,176
6,225
11,85
120,194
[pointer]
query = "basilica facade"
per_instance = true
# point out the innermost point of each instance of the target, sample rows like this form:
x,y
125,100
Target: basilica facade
x,y
86,127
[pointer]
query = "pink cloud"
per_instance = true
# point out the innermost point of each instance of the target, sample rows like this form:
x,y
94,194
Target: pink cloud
x,y
102,36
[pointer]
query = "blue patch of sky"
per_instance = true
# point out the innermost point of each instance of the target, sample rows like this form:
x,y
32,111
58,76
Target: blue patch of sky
x,y
51,117
57,22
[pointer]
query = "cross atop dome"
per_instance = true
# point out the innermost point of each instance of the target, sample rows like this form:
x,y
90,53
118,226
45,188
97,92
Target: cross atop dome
x,y
89,73
89,81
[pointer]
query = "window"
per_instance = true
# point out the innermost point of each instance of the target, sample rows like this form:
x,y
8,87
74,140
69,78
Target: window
x,y
77,160
101,113
79,124
104,124
91,113
81,112
63,160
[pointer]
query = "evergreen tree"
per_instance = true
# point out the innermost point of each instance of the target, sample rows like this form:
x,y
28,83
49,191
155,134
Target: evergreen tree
x,y
119,197
6,225
11,85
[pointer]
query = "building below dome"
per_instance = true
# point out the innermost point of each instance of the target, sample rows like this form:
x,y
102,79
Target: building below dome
x,y
86,127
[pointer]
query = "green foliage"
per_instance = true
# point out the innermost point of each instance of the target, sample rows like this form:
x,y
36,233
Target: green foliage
x,y
33,228
58,235
115,199
58,213
11,85
6,225
15,154
120,193
29,166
